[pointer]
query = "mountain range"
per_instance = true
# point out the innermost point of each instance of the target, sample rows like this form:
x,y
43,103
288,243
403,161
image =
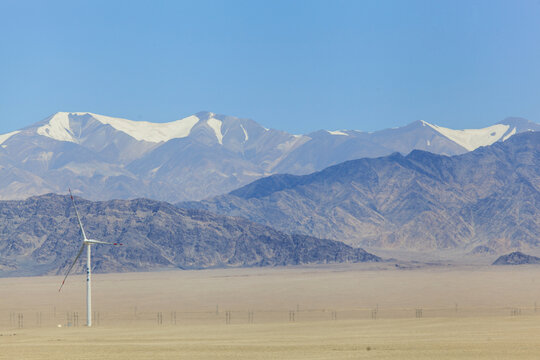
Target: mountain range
x,y
40,235
202,155
483,201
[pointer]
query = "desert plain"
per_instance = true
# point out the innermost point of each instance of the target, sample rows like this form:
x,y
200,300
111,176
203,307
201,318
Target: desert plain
x,y
358,311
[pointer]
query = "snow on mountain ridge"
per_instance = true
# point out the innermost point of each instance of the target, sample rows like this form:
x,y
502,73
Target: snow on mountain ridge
x,y
472,139
149,131
4,137
57,128
337,132
215,124
246,137
511,133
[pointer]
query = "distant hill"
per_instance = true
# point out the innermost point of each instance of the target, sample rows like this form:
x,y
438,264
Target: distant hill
x,y
40,235
488,197
516,258
202,155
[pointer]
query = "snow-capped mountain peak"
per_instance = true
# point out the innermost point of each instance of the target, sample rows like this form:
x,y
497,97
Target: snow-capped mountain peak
x,y
149,131
472,139
57,127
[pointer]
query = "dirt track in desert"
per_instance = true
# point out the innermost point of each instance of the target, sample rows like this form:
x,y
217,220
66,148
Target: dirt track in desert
x,y
334,312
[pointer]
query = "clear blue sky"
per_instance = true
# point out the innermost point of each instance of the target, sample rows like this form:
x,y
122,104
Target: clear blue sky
x,y
298,66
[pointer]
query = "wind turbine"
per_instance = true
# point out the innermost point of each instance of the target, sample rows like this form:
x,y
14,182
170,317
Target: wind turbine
x,y
88,243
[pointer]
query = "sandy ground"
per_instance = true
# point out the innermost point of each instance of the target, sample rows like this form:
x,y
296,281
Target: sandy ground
x,y
334,312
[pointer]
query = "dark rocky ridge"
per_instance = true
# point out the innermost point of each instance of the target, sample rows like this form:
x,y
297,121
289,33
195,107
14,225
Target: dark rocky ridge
x,y
40,235
489,197
516,258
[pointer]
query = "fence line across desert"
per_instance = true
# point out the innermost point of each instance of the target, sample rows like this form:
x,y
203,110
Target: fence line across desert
x,y
272,295
70,318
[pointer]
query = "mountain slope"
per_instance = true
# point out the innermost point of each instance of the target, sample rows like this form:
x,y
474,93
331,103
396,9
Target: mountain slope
x,y
516,258
422,201
40,235
199,156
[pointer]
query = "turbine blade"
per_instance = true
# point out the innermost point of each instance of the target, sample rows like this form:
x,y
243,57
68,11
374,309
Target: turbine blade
x,y
72,264
102,242
77,213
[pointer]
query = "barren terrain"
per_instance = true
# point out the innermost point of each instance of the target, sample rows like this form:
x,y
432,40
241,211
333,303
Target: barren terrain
x,y
334,312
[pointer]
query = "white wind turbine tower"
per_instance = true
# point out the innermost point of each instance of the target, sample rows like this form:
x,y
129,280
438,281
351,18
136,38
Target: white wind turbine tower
x,y
88,243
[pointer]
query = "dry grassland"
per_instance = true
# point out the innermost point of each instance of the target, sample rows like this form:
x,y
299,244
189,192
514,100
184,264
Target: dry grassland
x,y
334,312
